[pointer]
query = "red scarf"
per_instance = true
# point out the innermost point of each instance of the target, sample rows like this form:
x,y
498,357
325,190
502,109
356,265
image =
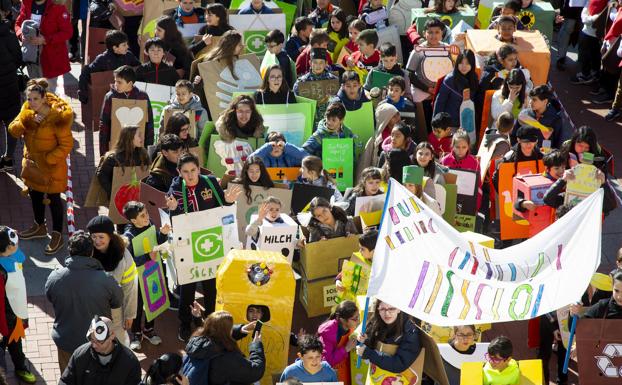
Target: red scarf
x,y
616,28
596,6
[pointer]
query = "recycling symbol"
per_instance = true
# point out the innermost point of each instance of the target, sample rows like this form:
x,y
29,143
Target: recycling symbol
x,y
607,368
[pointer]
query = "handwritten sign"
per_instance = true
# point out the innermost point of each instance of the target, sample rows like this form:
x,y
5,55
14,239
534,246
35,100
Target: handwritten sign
x,y
319,90
583,184
338,160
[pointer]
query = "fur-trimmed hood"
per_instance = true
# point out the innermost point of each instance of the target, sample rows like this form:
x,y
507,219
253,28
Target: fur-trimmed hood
x,y
60,116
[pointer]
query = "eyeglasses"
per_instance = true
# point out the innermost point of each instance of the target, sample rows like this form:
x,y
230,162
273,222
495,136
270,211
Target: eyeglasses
x,y
465,336
391,310
276,77
493,360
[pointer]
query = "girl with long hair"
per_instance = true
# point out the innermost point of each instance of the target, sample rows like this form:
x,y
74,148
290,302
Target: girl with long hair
x,y
240,120
328,221
254,173
337,30
274,88
217,23
179,124
313,173
424,157
166,29
400,139
227,50
368,185
444,7
584,140
510,97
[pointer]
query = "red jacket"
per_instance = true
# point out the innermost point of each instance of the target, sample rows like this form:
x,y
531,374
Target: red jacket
x,y
303,62
57,30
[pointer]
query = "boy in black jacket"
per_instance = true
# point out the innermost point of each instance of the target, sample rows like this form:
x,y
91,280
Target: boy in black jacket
x,y
116,55
274,44
164,166
155,70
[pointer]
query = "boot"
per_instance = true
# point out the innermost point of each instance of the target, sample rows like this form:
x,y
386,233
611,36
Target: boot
x,y
36,231
55,243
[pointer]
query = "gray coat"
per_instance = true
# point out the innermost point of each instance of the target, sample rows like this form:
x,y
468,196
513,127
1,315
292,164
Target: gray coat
x,y
30,52
79,291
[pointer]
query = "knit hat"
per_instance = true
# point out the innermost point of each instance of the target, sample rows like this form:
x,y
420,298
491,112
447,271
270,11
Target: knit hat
x,y
100,224
318,53
412,174
384,113
528,133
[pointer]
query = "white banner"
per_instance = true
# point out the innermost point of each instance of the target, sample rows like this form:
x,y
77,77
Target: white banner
x,y
428,269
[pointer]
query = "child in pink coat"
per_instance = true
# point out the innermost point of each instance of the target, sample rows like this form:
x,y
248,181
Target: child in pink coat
x,y
460,158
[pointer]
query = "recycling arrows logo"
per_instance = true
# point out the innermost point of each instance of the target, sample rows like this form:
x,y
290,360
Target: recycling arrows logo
x,y
207,245
607,368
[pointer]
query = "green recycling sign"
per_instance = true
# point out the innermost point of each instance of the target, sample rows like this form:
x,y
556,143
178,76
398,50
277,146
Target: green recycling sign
x,y
254,41
207,245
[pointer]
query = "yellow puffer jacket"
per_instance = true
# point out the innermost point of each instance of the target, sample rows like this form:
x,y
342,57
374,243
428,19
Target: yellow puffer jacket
x,y
46,146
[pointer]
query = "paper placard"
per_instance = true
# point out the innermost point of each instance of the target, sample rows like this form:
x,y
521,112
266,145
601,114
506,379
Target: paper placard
x,y
153,200
255,27
281,174
330,295
126,112
153,288
279,237
466,13
145,242
125,187
361,123
355,280
189,31
302,194
599,351
319,90
338,160
201,240
159,97
467,191
583,184
369,204
294,121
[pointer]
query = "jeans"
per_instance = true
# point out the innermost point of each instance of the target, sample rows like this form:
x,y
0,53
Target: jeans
x,y
563,37
56,206
589,54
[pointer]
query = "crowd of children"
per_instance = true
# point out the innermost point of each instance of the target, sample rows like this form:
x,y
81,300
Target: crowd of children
x,y
445,111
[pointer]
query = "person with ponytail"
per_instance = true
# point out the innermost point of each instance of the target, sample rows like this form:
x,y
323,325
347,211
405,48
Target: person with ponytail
x,y
335,335
313,173
44,123
165,371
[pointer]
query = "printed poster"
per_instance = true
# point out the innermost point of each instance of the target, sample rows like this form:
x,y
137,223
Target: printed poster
x,y
153,288
279,237
201,240
125,187
337,157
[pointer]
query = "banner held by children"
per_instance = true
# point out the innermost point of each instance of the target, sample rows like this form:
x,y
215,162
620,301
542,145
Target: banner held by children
x,y
454,282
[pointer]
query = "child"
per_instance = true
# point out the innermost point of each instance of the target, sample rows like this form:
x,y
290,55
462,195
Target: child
x,y
544,113
374,14
337,32
589,44
511,96
253,173
524,150
166,29
509,8
501,368
319,71
117,54
367,244
618,263
460,158
129,151
313,173
164,166
424,158
412,179
297,42
506,26
192,192
274,89
396,96
554,167
354,30
367,57
336,335
319,15
124,79
400,139
137,214
256,7
217,23
269,211
499,138
155,70
179,124
396,161
274,43
185,100
328,221
440,137
276,152
14,303
351,93
388,64
309,366
368,186
318,40
331,127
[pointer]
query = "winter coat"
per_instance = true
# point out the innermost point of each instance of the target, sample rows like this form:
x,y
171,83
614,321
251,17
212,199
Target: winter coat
x,y
157,74
228,134
269,97
132,231
84,367
292,155
161,173
249,10
313,145
605,308
105,170
407,351
200,115
30,52
328,333
292,47
351,105
552,118
448,99
10,59
198,46
515,155
467,163
57,30
46,145
79,291
317,230
106,61
230,368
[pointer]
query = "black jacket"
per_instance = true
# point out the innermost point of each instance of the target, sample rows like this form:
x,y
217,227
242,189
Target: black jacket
x,y
269,97
84,367
107,61
605,308
406,354
157,74
229,367
161,173
195,48
10,60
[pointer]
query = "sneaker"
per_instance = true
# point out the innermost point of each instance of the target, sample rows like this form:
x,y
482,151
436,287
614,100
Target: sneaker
x,y
173,302
612,115
36,231
184,333
152,337
6,164
597,91
26,376
582,79
603,98
55,243
135,343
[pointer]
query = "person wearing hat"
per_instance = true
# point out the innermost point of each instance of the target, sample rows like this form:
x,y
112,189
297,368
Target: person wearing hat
x,y
523,151
387,115
103,360
110,249
78,291
319,71
400,139
413,179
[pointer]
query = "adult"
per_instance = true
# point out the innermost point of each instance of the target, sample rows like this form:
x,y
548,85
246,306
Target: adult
x,y
45,125
79,291
10,98
391,343
214,357
48,29
110,249
166,29
240,120
103,360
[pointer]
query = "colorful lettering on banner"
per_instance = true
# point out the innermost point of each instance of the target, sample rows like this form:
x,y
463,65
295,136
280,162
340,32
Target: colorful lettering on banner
x,y
361,122
201,240
456,282
599,351
279,237
153,288
338,160
583,184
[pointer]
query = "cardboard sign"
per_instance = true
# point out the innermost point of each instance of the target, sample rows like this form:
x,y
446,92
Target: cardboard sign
x,y
283,174
279,237
319,90
380,79
355,280
228,158
152,10
294,121
129,7
466,208
323,258
261,278
290,10
533,51
538,16
254,29
153,199
466,13
302,194
318,296
201,240
153,288
599,351
247,209
127,112
369,209
338,160
100,85
361,122
125,188
144,242
583,184
159,97
96,196
219,83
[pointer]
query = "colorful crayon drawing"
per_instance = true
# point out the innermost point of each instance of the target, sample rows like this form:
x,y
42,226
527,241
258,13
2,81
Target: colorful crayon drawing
x,y
153,288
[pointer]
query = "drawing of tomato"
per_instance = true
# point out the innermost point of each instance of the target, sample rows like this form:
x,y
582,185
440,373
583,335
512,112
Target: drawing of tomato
x,y
127,192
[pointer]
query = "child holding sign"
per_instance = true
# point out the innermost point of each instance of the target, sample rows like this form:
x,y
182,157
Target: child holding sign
x,y
330,127
313,173
501,368
254,173
460,158
369,185
329,221
269,211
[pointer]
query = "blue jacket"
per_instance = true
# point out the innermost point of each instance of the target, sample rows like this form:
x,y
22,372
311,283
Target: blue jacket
x,y
250,11
351,105
296,370
449,100
407,351
292,156
551,118
292,47
132,231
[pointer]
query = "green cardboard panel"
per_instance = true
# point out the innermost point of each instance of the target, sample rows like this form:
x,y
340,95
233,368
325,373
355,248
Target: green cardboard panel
x,y
254,42
144,242
338,161
451,200
361,122
379,79
295,121
215,162
420,17
204,140
539,16
465,222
